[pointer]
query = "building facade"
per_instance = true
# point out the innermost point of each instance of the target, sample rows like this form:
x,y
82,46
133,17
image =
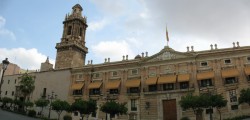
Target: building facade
x,y
152,86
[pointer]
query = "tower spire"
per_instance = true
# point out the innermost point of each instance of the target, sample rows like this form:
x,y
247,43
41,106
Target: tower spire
x,y
71,51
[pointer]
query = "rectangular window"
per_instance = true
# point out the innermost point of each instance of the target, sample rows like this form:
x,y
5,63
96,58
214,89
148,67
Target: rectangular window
x,y
203,64
80,76
133,105
80,34
152,88
168,86
230,80
234,107
227,61
44,93
95,91
77,92
134,90
206,82
134,71
113,91
184,85
69,30
248,78
15,81
6,92
96,75
233,96
248,58
12,93
209,110
114,73
8,81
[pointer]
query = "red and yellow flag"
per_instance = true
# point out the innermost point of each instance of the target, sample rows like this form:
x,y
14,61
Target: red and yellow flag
x,y
167,34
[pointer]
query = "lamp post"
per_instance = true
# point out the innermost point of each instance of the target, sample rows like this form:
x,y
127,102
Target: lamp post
x,y
51,98
210,107
5,64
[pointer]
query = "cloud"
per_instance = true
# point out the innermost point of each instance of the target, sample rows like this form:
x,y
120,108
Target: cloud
x,y
111,7
198,23
222,21
113,50
97,25
25,58
5,33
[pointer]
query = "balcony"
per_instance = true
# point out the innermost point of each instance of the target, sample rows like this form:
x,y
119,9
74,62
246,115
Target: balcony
x,y
208,89
231,86
147,92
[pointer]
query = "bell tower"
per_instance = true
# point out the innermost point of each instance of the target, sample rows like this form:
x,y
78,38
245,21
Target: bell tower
x,y
71,51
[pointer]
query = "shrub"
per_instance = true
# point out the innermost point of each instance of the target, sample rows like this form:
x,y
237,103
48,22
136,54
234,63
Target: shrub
x,y
238,117
67,117
32,113
185,118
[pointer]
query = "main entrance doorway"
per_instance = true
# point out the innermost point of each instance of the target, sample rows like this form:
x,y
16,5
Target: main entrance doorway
x,y
169,110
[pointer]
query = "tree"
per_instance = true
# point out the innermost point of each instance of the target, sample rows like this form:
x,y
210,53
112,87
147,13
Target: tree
x,y
245,96
60,106
17,103
113,108
217,101
84,107
26,85
41,103
5,101
28,104
198,103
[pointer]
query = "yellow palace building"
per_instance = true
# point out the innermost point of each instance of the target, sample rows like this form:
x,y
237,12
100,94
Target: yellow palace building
x,y
152,86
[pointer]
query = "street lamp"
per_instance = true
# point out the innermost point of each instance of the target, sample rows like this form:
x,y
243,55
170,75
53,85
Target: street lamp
x,y
51,98
5,64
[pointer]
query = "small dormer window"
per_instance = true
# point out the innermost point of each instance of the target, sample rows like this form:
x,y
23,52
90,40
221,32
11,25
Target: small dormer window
x,y
96,75
248,58
134,71
80,76
203,64
227,61
114,73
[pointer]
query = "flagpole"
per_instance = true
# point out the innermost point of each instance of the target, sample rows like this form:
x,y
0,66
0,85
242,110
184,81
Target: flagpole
x,y
167,38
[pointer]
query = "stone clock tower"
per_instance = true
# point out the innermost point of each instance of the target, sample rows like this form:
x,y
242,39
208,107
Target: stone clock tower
x,y
71,51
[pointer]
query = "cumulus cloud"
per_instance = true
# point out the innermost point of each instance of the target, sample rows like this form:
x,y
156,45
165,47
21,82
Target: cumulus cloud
x,y
25,58
97,25
5,33
112,49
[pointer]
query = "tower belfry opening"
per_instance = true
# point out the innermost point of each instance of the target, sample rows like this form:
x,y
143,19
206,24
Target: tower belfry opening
x,y
71,51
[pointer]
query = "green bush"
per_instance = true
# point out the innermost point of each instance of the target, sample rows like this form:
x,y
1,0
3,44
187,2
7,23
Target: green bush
x,y
185,118
32,113
238,117
67,117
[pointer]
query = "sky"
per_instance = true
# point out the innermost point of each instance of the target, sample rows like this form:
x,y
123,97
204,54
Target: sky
x,y
29,29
